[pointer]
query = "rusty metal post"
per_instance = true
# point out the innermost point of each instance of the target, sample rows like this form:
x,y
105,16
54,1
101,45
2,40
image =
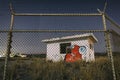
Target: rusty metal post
x,y
110,54
8,51
105,34
108,46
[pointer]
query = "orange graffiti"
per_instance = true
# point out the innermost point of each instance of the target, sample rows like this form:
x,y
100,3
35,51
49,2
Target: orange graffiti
x,y
74,55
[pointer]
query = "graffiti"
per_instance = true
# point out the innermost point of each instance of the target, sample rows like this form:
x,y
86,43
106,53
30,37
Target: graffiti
x,y
74,55
83,50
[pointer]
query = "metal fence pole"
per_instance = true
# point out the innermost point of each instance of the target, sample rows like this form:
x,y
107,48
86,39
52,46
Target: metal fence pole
x,y
110,53
8,51
105,28
108,46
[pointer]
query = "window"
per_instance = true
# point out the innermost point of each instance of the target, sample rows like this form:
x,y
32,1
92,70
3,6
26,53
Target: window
x,y
65,48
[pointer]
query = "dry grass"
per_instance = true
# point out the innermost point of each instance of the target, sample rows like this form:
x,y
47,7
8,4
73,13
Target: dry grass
x,y
39,69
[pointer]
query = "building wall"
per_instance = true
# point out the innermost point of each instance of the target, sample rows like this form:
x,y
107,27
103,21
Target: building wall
x,y
91,50
53,50
82,43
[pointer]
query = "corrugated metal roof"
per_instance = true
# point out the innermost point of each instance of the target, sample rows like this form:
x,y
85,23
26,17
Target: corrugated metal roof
x,y
71,37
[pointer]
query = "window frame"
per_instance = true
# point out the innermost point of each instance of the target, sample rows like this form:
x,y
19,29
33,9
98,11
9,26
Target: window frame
x,y
64,46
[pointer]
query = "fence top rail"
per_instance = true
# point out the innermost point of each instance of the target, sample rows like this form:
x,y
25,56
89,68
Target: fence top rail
x,y
53,31
57,14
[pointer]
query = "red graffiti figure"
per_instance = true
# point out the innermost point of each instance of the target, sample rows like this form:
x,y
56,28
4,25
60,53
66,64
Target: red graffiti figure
x,y
74,55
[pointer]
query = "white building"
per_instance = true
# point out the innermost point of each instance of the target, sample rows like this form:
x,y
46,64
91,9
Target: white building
x,y
57,47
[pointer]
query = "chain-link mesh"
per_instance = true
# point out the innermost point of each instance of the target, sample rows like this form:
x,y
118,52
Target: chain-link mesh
x,y
31,42
115,41
39,53
3,45
31,45
114,37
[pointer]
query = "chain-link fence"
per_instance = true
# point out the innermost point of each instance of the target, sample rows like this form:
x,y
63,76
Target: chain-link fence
x,y
115,41
3,40
64,52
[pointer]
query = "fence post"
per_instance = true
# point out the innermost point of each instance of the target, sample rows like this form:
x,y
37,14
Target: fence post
x,y
8,51
111,55
108,46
